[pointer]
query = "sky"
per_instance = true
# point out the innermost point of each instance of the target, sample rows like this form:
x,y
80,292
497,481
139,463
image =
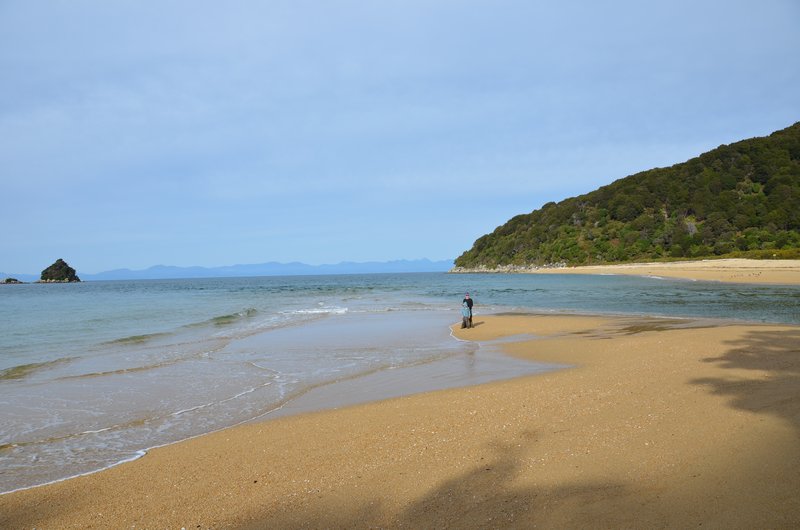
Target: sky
x,y
136,133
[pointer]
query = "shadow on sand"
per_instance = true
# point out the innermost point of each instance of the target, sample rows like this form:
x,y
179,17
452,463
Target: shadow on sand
x,y
776,355
484,497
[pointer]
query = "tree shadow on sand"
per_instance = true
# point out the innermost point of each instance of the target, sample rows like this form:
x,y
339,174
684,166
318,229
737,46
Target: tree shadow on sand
x,y
487,496
775,389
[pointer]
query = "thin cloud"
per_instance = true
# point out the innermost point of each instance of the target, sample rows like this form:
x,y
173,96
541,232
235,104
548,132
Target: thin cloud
x,y
356,130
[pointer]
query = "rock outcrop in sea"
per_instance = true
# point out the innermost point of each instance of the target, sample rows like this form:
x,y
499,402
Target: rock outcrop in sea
x,y
59,272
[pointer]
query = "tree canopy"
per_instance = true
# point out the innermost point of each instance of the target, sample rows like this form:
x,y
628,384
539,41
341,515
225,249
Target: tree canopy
x,y
737,199
59,272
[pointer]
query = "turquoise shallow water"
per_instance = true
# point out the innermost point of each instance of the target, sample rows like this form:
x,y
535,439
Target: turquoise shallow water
x,y
94,373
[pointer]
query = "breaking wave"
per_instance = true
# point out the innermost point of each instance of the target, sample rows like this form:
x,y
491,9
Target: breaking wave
x,y
24,370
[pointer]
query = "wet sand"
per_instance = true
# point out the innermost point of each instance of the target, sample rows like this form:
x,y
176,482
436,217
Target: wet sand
x,y
722,270
660,423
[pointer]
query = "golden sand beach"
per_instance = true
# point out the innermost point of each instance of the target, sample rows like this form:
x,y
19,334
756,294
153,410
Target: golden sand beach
x,y
659,423
722,270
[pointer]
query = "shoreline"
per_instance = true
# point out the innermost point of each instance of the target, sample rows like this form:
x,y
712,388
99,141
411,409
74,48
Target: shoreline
x,y
610,442
483,365
733,270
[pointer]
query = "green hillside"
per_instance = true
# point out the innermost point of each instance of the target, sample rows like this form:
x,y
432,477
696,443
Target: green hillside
x,y
741,199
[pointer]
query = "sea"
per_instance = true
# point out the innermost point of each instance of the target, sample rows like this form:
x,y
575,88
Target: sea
x,y
96,373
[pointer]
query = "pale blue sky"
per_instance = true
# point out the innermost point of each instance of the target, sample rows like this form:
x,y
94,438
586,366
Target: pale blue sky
x,y
214,133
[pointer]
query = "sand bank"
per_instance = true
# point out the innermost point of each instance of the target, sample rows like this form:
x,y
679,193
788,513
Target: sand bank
x,y
722,270
662,423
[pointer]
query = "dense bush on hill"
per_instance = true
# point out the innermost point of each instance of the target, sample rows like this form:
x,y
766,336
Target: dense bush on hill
x,y
59,272
741,199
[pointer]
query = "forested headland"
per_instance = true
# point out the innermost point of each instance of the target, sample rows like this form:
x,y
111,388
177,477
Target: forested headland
x,y
738,200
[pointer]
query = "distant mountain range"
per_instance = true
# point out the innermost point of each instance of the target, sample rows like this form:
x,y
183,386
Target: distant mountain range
x,y
166,272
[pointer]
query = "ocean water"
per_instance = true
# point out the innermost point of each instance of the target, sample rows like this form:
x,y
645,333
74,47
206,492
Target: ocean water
x,y
95,373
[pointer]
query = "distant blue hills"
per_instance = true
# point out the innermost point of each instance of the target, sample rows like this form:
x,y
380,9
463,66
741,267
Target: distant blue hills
x,y
166,272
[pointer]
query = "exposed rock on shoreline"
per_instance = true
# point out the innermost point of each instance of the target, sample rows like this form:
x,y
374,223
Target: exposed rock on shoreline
x,y
505,269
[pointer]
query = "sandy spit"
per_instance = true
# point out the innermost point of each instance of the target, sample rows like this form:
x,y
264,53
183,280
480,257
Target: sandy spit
x,y
660,423
722,270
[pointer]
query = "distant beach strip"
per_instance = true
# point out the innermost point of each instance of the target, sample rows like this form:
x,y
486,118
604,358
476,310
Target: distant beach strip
x,y
785,272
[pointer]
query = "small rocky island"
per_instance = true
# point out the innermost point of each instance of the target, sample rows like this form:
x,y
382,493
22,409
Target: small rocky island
x,y
11,281
59,272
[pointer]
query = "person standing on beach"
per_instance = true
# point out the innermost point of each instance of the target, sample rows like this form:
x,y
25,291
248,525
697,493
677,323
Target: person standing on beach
x,y
467,300
465,323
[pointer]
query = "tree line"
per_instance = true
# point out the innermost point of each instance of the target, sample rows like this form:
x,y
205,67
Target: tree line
x,y
741,199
